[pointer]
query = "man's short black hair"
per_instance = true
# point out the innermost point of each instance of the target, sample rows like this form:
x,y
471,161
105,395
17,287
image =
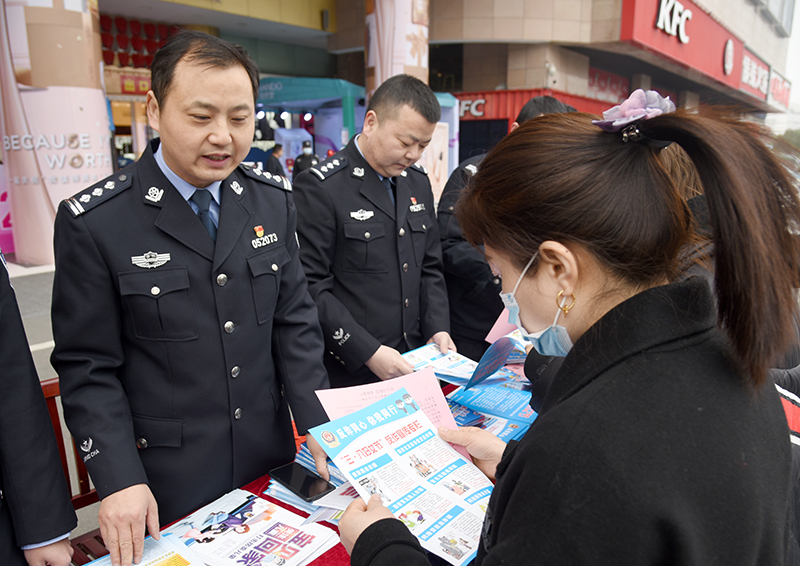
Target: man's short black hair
x,y
405,89
277,147
197,48
542,105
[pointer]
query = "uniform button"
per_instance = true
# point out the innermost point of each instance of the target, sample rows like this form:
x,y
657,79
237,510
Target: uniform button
x,y
407,302
337,358
424,227
405,335
341,362
155,290
237,414
450,208
402,231
405,267
274,267
235,371
497,281
141,443
229,326
123,177
222,279
367,235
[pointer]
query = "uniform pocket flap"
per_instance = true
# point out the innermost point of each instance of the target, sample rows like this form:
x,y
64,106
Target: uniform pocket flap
x,y
419,223
151,432
153,283
364,231
268,262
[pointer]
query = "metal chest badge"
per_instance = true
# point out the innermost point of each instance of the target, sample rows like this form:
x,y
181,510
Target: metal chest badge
x,y
362,214
259,230
150,260
416,207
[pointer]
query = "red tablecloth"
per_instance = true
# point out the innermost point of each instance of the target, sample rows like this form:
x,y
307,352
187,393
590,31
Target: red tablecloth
x,y
336,556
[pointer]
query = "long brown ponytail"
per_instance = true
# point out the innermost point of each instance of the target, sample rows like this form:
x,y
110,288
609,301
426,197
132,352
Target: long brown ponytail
x,y
558,177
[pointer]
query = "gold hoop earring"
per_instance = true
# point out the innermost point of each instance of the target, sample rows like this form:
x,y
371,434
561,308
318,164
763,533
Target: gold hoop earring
x,y
564,309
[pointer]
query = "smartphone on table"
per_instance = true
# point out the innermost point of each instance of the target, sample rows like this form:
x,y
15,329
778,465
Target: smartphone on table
x,y
305,484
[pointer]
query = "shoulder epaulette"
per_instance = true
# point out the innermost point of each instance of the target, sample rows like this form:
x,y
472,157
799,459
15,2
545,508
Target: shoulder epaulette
x,y
266,177
472,169
89,198
419,169
329,166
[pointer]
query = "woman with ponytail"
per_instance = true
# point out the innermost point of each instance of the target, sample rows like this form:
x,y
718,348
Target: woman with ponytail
x,y
661,439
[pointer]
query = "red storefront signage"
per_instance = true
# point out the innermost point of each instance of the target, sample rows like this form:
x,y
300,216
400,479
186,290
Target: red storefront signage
x,y
684,33
608,86
779,91
755,75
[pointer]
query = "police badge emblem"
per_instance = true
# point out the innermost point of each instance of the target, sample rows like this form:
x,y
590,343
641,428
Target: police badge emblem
x,y
150,260
358,171
362,214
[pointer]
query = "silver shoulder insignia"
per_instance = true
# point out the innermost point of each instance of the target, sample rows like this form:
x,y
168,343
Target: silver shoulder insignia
x,y
98,193
404,173
420,168
362,214
154,194
150,260
472,169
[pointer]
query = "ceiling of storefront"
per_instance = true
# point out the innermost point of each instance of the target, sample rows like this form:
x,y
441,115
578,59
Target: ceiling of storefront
x,y
179,14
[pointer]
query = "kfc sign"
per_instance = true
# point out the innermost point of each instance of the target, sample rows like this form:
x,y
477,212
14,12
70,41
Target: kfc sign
x,y
474,107
672,18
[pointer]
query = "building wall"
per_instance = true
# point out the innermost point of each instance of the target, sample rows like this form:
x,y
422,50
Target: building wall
x,y
303,13
744,19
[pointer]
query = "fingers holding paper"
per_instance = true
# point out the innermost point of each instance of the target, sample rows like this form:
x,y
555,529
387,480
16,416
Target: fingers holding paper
x,y
123,516
484,447
320,458
358,516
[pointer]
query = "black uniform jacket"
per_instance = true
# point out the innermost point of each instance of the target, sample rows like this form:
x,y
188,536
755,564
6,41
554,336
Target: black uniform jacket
x,y
374,269
35,505
303,162
175,353
472,289
649,449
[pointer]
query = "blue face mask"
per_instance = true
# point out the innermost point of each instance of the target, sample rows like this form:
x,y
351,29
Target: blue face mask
x,y
553,340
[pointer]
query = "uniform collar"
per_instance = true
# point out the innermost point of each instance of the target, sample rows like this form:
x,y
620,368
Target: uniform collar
x,y
184,188
355,141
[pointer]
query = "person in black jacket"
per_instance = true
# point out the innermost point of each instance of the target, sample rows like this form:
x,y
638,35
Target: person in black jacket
x,y
662,439
274,166
36,514
305,160
181,316
472,289
369,242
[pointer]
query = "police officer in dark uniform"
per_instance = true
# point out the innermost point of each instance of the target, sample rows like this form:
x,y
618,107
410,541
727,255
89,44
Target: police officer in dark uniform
x,y
36,515
305,160
472,289
369,241
183,325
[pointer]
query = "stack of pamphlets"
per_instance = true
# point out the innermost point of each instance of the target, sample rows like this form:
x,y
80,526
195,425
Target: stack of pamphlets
x,y
507,411
242,528
464,416
452,367
391,448
238,528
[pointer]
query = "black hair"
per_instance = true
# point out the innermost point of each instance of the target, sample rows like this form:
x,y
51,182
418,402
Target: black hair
x,y
197,48
539,105
405,89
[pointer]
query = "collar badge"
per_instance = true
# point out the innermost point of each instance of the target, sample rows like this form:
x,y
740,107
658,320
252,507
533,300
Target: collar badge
x,y
154,194
237,188
358,172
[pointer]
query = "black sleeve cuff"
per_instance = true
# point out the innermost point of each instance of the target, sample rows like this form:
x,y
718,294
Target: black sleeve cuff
x,y
388,542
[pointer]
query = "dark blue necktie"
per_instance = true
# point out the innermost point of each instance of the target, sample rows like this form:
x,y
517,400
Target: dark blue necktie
x,y
202,198
388,182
